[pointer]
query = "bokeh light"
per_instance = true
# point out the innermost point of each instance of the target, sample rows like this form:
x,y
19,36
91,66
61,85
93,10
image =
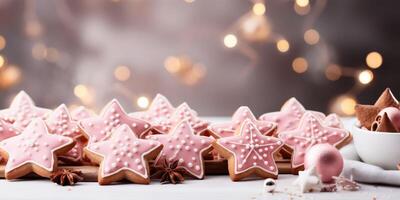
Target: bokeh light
x,y
282,45
39,51
333,72
301,10
172,64
122,73
259,8
300,65
302,3
365,76
142,102
2,61
374,60
2,42
344,105
230,40
311,36
255,28
10,76
52,55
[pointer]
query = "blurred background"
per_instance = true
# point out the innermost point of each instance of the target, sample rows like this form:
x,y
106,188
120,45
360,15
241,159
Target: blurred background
x,y
215,55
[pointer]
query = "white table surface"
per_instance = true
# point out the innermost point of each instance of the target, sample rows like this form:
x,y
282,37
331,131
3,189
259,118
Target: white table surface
x,y
212,187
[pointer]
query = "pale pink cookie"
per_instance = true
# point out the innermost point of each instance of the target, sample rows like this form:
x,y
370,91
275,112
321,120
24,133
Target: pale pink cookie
x,y
333,120
158,114
226,129
249,152
184,112
34,150
60,122
183,145
22,110
289,116
112,116
311,131
123,156
80,113
7,131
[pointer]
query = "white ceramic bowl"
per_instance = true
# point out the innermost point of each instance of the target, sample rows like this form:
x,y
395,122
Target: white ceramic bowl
x,y
381,149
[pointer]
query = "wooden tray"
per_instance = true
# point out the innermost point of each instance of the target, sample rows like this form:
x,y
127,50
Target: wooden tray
x,y
212,167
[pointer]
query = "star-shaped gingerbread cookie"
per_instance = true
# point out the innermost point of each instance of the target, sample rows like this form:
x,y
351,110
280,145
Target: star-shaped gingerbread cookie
x,y
184,112
123,156
80,113
183,145
22,110
311,131
112,116
249,152
158,114
289,116
366,114
226,129
60,122
34,150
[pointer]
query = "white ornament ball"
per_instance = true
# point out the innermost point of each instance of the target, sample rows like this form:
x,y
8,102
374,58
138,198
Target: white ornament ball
x,y
269,185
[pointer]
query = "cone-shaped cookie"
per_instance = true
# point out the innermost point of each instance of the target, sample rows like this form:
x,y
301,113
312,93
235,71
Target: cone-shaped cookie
x,y
366,114
383,125
387,99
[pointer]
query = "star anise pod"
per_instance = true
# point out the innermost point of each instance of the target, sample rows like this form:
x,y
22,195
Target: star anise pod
x,y
169,172
66,177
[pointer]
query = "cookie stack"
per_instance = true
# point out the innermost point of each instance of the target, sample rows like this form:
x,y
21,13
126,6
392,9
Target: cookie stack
x,y
126,146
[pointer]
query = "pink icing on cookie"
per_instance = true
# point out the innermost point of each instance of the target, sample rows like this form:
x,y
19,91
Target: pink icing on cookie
x,y
158,114
289,116
35,145
123,151
112,116
251,149
80,113
60,122
184,145
227,129
7,130
333,120
311,131
22,110
184,112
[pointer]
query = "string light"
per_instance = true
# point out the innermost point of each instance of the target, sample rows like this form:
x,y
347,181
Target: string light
x,y
33,29
282,45
142,102
311,36
2,61
300,65
374,60
365,76
302,3
122,73
230,40
259,9
2,42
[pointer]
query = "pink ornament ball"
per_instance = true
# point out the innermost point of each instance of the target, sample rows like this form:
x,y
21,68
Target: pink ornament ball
x,y
327,160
